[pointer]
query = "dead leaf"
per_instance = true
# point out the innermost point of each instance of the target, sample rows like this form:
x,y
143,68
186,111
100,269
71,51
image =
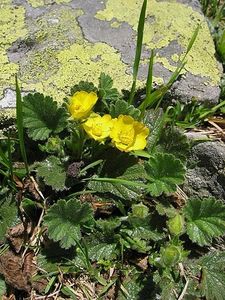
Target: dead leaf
x,y
11,267
18,235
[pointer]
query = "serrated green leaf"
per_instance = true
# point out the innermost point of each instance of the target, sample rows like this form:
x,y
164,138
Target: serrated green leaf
x,y
164,207
121,107
175,142
211,271
121,166
106,91
154,120
137,288
108,226
42,116
164,172
65,219
8,216
53,172
142,225
213,275
83,86
102,251
205,220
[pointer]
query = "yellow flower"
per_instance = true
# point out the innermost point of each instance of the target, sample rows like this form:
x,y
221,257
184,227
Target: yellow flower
x,y
98,127
128,134
81,103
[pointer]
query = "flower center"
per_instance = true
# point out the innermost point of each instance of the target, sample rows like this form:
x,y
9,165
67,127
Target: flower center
x,y
77,106
126,136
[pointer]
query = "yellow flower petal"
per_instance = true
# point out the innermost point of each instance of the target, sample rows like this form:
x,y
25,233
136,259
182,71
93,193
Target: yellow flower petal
x,y
98,127
81,104
128,135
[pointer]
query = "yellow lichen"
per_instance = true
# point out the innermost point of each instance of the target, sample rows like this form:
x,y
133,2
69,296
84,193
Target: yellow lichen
x,y
61,57
39,3
12,27
169,21
75,64
115,24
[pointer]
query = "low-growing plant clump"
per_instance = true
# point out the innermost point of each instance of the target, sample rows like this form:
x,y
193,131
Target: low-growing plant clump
x,y
92,205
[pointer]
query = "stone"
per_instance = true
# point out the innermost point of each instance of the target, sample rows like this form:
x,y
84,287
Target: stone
x,y
206,172
52,45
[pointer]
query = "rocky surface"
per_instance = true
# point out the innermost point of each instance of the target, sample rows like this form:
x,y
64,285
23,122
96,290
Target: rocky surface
x,y
55,44
206,171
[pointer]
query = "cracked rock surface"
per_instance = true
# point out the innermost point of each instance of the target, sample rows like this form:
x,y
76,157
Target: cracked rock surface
x,y
206,173
52,45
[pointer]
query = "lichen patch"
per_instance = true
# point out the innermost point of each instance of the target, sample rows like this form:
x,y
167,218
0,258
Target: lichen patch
x,y
170,21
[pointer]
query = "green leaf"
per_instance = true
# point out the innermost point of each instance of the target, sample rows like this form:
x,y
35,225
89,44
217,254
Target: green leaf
x,y
53,172
154,120
2,287
42,116
142,224
213,275
137,287
102,251
175,142
68,291
205,220
164,172
8,216
165,283
65,220
208,276
164,207
221,45
120,166
106,90
121,107
83,86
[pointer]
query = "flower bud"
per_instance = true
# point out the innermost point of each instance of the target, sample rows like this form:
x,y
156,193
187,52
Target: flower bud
x,y
176,225
171,255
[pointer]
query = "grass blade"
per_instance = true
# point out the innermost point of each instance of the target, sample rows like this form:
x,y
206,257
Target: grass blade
x,y
9,150
140,33
157,96
19,122
150,75
192,41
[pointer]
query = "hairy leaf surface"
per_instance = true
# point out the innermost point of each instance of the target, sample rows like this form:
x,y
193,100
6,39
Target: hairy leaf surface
x,y
120,166
65,219
164,172
106,90
154,121
205,220
83,86
175,142
8,215
42,116
53,172
121,107
213,275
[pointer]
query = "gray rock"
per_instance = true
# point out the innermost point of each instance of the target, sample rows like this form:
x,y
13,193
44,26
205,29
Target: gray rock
x,y
206,173
52,45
